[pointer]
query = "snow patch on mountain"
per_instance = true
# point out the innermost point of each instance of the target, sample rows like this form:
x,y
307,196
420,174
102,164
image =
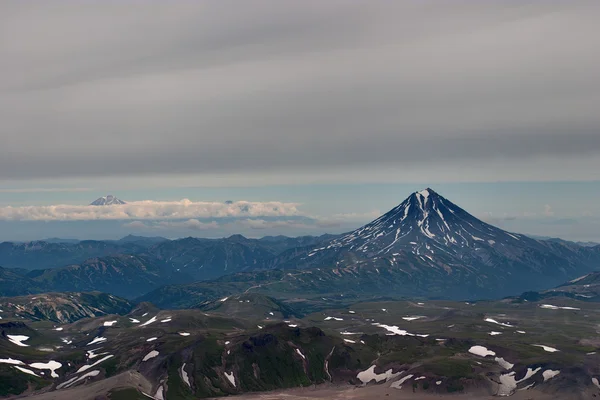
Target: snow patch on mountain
x,y
108,200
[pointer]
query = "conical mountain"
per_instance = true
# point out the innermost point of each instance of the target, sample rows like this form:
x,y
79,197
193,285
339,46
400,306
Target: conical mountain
x,y
425,223
432,247
108,200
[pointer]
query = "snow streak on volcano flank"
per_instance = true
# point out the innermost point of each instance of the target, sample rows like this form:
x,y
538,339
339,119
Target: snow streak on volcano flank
x,y
425,223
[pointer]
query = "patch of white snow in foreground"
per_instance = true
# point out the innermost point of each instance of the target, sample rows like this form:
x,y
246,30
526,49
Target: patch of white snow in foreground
x,y
184,333
150,355
25,370
552,307
98,339
58,329
493,321
92,355
413,318
300,353
549,374
494,333
508,383
50,365
18,340
395,330
86,367
159,395
481,351
596,382
546,348
110,323
349,341
152,339
230,378
369,375
334,318
398,383
521,332
503,363
134,321
151,320
11,361
166,320
184,376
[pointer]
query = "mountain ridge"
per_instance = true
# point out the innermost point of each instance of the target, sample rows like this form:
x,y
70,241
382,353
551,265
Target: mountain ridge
x,y
426,246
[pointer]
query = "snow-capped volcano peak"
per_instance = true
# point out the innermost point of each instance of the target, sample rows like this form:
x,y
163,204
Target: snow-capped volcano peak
x,y
108,200
422,224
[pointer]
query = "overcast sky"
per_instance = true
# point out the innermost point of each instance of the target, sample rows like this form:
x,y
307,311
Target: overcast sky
x,y
158,98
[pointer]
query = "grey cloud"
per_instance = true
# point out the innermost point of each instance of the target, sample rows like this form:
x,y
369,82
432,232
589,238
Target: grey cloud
x,y
113,89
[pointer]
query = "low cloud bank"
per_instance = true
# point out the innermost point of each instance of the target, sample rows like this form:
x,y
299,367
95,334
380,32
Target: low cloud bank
x,y
149,210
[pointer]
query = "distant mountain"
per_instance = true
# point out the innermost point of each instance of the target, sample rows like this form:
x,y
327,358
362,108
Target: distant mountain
x,y
92,265
127,276
205,259
425,247
13,283
60,240
281,243
554,239
41,254
143,240
62,307
427,238
583,288
107,201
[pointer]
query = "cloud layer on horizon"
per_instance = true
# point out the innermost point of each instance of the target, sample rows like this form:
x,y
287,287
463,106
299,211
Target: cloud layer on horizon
x,y
430,90
149,210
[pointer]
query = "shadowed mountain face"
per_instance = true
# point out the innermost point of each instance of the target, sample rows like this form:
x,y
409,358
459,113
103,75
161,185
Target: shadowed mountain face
x,y
41,254
132,266
123,275
13,283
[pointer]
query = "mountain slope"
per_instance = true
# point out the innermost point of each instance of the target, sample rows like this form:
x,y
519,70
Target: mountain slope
x,y
122,275
40,254
205,259
62,307
584,288
425,247
15,284
429,238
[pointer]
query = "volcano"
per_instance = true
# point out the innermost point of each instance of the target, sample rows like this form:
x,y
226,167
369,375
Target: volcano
x,y
445,251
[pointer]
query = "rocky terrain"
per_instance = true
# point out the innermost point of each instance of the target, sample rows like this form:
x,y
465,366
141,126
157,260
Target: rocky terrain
x,y
490,348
